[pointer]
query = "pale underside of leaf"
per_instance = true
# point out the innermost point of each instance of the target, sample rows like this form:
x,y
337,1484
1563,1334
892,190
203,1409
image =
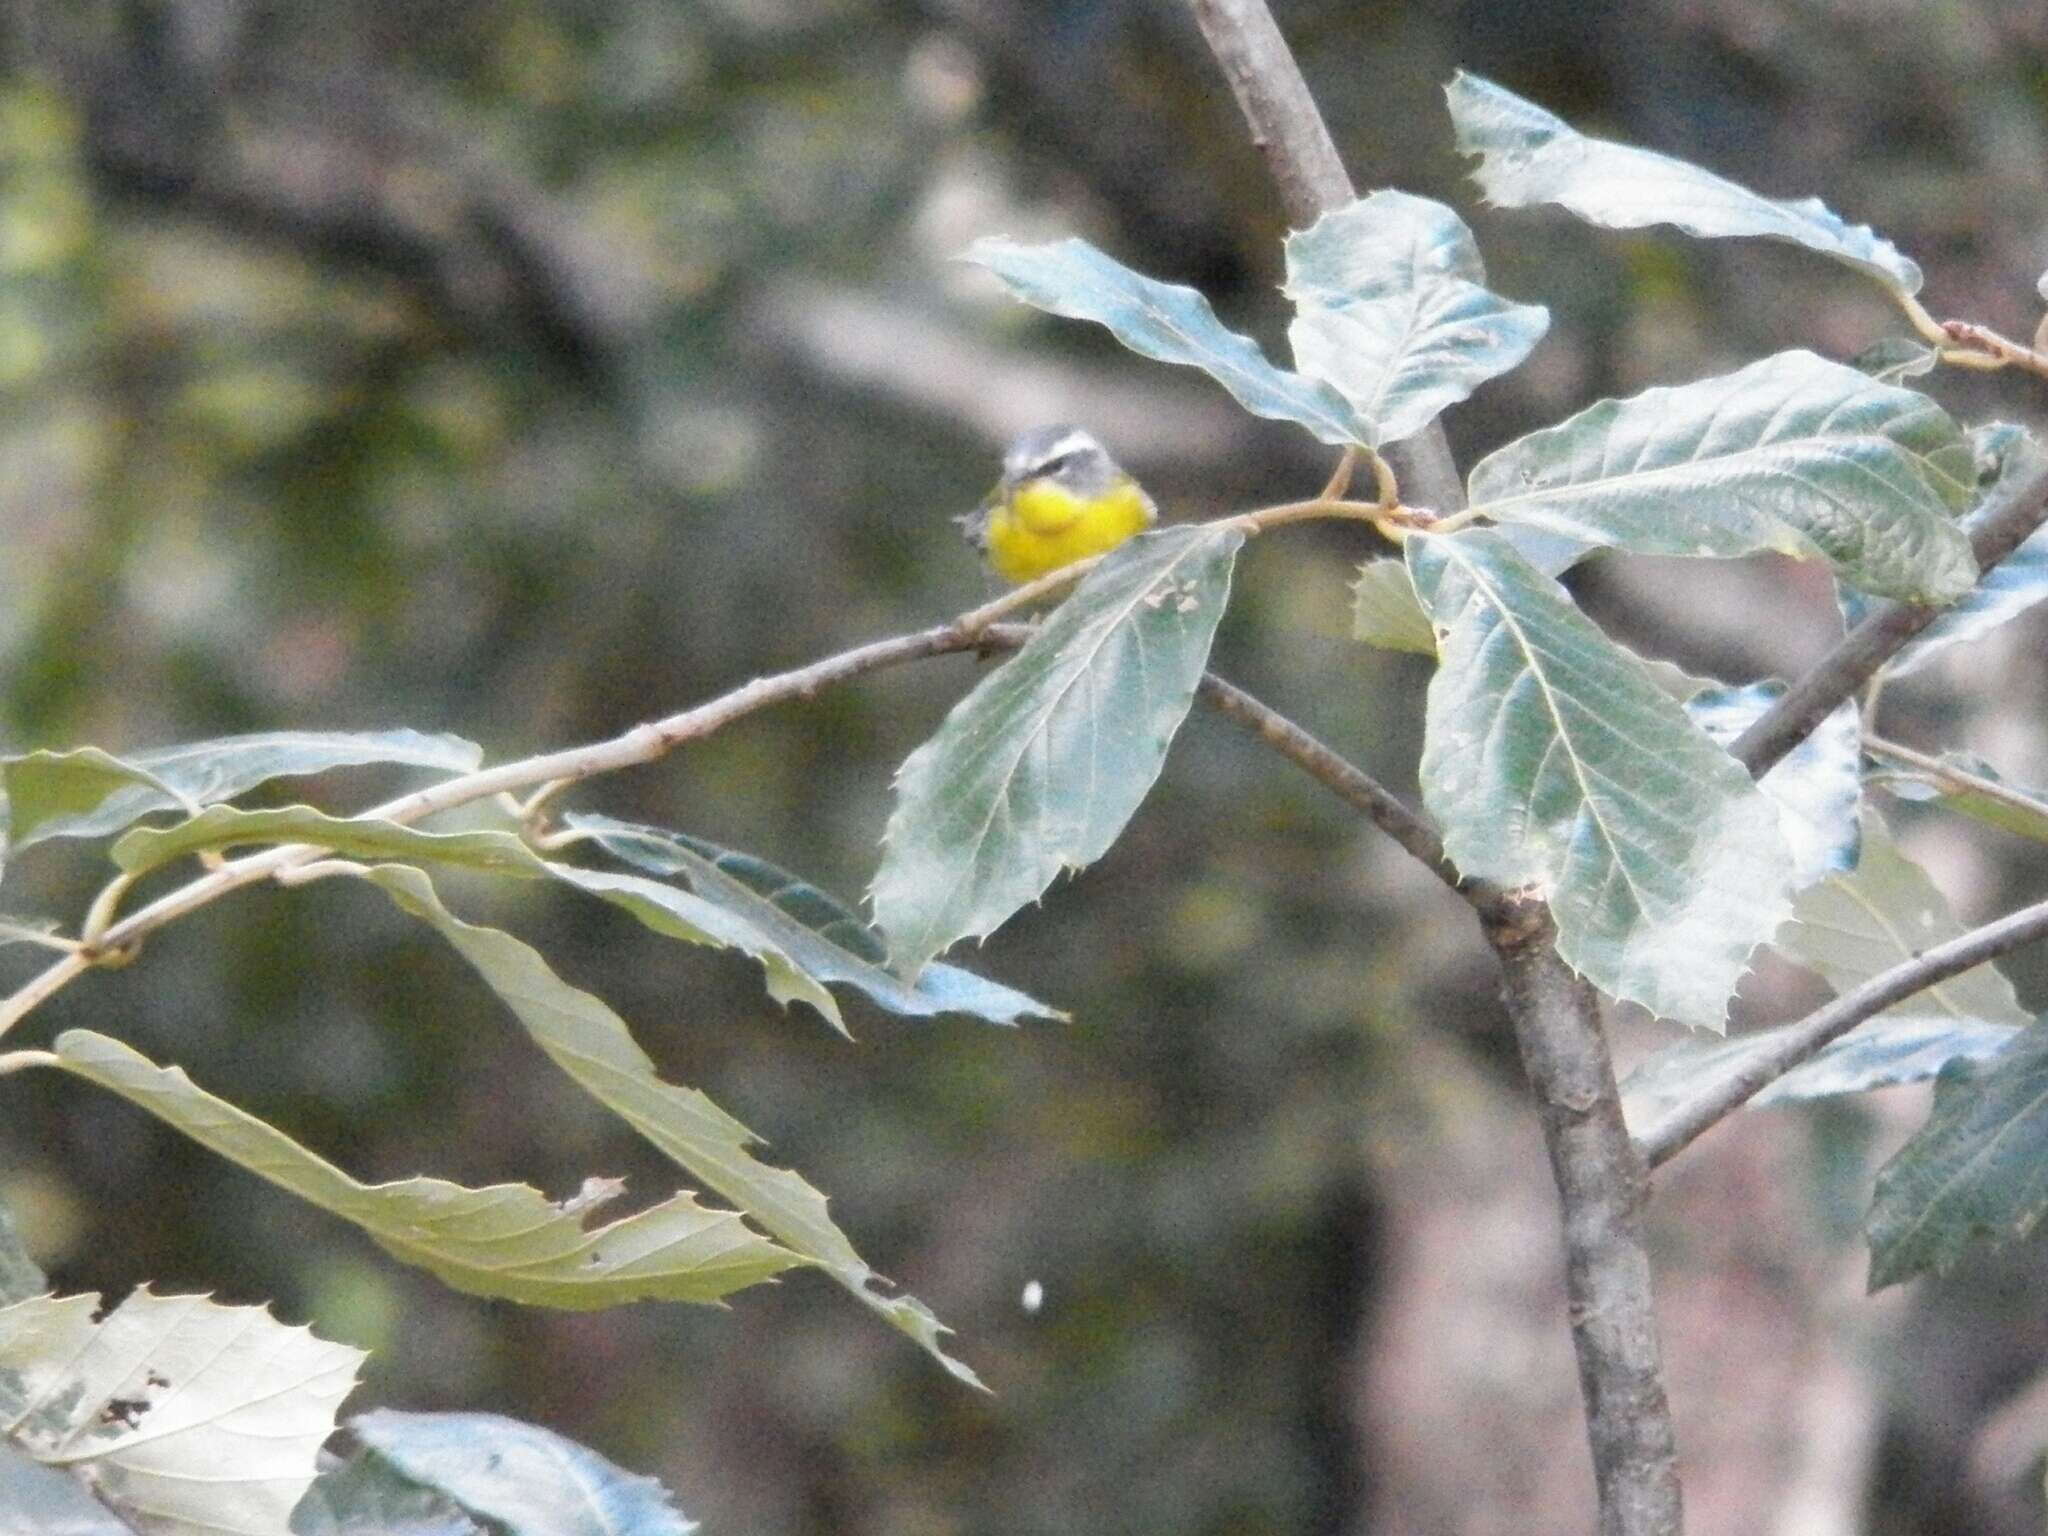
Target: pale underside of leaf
x,y
504,1241
1553,763
1817,786
1039,768
1530,156
1385,611
1793,454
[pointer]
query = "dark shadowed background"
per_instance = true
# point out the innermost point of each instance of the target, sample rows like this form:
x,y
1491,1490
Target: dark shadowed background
x,y
526,369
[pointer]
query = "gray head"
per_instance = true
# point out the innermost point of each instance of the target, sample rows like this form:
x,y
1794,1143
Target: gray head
x,y
1062,453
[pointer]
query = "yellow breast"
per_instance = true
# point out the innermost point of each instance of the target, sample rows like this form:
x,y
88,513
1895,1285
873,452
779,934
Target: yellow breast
x,y
1043,527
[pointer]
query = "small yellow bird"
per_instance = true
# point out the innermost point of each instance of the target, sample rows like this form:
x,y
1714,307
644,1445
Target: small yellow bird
x,y
1062,498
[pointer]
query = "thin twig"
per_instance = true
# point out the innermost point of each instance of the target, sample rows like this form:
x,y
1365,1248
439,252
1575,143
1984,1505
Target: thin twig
x,y
1881,636
1957,780
1800,1041
1968,341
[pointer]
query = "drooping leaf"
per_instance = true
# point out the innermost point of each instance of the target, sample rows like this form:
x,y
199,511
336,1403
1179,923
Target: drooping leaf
x,y
1551,761
367,1496
1038,769
1168,323
1385,611
1895,359
1817,786
1966,783
593,1046
1879,1053
1976,1171
526,1480
1792,454
1859,923
505,1240
189,1418
89,793
1530,156
825,936
1393,312
19,1276
2009,460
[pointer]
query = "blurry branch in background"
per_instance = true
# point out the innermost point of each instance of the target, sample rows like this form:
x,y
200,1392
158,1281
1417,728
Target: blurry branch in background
x,y
1602,1181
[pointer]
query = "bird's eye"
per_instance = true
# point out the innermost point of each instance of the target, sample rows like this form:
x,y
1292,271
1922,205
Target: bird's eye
x,y
1054,465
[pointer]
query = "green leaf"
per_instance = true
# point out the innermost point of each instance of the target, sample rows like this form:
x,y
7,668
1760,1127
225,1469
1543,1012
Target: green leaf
x,y
2008,460
1971,786
367,1496
826,937
1039,768
89,793
1879,1053
1385,611
505,1240
525,1480
1977,1170
185,1417
593,1046
1167,323
1553,762
1793,454
1394,313
1817,786
19,1276
1860,923
1895,359
1530,156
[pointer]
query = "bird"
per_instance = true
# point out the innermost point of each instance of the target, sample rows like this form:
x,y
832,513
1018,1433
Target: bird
x,y
1062,498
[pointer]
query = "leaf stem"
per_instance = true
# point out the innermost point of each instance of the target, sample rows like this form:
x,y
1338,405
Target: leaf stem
x,y
1954,778
17,1061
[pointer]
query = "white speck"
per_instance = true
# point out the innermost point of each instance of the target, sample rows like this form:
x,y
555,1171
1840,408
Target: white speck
x,y
1032,1299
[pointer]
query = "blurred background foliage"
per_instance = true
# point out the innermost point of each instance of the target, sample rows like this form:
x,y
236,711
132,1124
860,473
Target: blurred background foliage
x,y
527,368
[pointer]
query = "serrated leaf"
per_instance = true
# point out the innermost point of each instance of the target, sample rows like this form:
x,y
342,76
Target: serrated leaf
x,y
1817,786
505,1240
1552,762
589,1042
1038,769
1394,312
1385,611
367,1496
674,913
1793,454
1967,784
827,937
1859,923
1530,156
1895,359
189,1418
1880,1053
2008,460
526,1480
1976,1171
89,793
1167,323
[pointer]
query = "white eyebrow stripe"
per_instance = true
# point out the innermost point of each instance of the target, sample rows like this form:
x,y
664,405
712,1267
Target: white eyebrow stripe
x,y
1076,441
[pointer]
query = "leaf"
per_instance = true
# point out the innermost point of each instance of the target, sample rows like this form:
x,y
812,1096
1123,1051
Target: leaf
x,y
1385,611
1394,313
1857,924
1039,768
1793,454
36,1500
1966,783
1895,359
526,1480
593,1046
2009,459
1552,762
1817,786
1530,156
187,1418
505,1240
1978,1169
19,1276
1879,1053
823,935
367,1496
1167,323
674,913
89,793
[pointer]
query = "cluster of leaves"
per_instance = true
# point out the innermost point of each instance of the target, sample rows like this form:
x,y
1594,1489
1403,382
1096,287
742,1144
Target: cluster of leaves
x,y
1555,761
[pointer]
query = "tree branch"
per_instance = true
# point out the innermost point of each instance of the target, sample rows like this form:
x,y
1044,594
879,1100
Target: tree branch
x,y
1686,1123
1881,636
1601,1180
